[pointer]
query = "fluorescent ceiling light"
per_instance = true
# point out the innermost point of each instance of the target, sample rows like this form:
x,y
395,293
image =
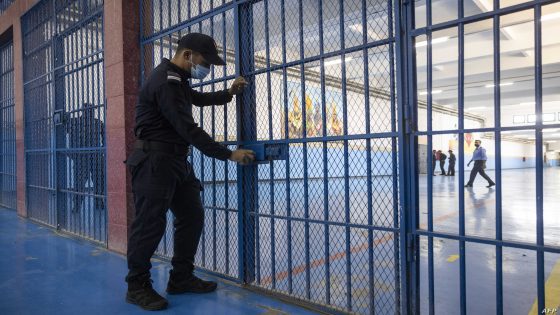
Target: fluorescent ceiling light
x,y
438,40
551,141
501,84
477,108
552,16
549,130
555,135
506,132
337,61
358,28
527,104
433,92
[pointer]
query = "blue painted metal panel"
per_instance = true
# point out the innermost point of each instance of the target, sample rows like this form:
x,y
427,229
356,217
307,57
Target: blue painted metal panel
x,y
64,103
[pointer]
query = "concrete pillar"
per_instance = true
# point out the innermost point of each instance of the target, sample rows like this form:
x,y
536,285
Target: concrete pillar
x,y
122,76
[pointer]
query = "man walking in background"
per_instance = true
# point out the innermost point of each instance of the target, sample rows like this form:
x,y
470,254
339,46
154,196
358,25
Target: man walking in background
x,y
479,158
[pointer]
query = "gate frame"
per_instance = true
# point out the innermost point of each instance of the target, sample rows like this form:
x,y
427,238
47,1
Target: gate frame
x,y
414,231
246,134
57,150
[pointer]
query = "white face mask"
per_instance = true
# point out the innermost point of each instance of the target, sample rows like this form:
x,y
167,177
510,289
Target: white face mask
x,y
198,71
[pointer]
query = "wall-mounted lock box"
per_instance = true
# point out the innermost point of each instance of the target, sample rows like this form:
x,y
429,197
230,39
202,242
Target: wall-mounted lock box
x,y
58,117
265,152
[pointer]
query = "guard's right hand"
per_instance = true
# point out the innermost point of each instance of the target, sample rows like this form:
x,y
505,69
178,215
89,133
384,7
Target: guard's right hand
x,y
242,156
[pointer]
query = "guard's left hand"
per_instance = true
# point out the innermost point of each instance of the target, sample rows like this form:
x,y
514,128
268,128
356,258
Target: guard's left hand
x,y
237,86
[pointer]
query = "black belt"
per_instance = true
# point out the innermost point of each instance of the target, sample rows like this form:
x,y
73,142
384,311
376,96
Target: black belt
x,y
170,148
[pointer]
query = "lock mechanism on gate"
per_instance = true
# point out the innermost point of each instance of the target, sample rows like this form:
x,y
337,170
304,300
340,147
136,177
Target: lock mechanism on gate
x,y
265,152
58,117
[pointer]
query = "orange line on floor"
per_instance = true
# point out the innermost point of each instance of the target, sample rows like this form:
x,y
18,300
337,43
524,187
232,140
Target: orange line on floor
x,y
340,255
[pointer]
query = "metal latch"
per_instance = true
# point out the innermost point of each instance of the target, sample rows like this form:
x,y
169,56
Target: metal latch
x,y
265,152
58,117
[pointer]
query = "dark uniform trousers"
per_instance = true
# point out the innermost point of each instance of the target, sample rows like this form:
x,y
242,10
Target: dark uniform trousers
x,y
451,168
479,169
441,166
162,181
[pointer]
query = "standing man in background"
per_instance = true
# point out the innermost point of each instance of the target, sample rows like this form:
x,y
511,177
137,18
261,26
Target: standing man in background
x,y
479,158
442,158
161,177
452,159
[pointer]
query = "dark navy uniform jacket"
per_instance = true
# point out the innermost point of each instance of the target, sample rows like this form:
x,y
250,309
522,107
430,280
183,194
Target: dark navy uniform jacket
x,y
164,111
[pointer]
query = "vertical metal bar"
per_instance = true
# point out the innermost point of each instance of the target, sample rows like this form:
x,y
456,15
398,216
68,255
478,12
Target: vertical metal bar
x,y
214,192
461,95
430,162
539,158
346,161
226,135
85,154
248,133
204,250
498,148
371,258
394,153
288,188
160,17
240,170
93,154
406,95
305,173
325,158
101,98
179,20
169,19
270,136
59,101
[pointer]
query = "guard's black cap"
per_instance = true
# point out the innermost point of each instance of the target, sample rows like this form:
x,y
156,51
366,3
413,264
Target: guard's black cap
x,y
203,44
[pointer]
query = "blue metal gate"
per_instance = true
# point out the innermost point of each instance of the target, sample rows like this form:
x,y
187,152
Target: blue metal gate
x,y
65,116
473,226
322,224
8,198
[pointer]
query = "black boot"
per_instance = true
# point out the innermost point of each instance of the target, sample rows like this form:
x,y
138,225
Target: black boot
x,y
141,293
183,282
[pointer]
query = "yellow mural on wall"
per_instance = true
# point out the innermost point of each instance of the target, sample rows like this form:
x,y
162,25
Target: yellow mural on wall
x,y
313,113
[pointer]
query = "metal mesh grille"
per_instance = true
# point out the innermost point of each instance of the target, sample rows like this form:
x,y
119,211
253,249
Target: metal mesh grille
x,y
8,181
65,116
322,225
218,249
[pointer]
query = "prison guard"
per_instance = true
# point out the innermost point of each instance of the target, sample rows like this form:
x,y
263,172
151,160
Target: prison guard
x,y
164,111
